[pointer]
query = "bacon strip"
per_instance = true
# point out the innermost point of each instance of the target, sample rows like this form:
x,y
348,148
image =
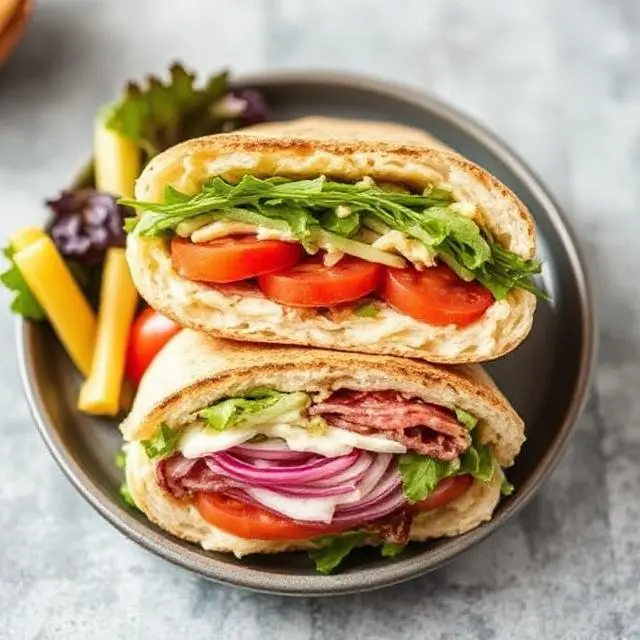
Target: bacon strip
x,y
421,427
182,476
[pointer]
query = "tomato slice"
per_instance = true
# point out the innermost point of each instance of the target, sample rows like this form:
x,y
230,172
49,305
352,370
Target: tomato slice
x,y
231,259
249,521
312,284
149,332
436,295
447,491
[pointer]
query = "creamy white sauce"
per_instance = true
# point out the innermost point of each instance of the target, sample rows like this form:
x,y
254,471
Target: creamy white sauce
x,y
198,441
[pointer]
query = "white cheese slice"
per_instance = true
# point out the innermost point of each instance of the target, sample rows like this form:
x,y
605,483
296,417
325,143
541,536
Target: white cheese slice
x,y
330,442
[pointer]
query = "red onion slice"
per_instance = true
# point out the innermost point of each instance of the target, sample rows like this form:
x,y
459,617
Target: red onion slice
x,y
387,484
369,480
269,450
317,469
371,512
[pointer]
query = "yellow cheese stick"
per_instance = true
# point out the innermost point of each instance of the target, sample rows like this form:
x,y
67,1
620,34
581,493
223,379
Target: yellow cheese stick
x,y
23,238
117,161
117,164
100,394
54,287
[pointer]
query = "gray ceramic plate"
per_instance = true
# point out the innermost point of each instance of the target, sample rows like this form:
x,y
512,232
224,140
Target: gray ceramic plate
x,y
546,379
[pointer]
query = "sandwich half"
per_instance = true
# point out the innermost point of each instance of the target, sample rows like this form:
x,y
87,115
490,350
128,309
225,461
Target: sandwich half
x,y
349,235
263,449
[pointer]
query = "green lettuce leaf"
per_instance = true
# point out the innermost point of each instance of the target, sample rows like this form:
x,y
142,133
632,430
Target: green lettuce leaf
x,y
164,441
159,115
421,474
24,302
478,460
346,226
121,459
392,549
334,549
256,407
506,488
466,418
308,204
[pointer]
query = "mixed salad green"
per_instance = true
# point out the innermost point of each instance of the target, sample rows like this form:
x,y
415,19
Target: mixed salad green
x,y
321,210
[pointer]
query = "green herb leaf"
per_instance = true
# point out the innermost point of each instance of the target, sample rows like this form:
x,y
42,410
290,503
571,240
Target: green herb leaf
x,y
159,115
367,310
391,549
24,302
306,205
164,442
421,474
466,418
506,488
256,407
334,549
126,496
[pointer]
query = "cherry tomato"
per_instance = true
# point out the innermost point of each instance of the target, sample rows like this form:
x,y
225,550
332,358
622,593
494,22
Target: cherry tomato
x,y
149,333
436,295
231,259
311,284
447,491
249,521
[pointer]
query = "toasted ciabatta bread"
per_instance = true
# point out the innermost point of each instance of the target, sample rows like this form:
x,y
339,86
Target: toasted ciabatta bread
x,y
194,371
345,150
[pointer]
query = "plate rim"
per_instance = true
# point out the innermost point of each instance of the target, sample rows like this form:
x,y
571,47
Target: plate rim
x,y
164,545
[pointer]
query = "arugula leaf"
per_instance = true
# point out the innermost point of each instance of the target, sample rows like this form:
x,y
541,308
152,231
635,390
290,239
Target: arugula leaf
x,y
506,488
367,309
421,474
466,418
159,115
334,549
24,302
343,225
258,406
307,204
162,443
392,549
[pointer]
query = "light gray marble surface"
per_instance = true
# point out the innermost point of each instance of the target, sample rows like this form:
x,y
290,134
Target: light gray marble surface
x,y
561,82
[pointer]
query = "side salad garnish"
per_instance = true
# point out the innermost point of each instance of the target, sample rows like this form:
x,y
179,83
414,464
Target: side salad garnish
x,y
76,263
156,115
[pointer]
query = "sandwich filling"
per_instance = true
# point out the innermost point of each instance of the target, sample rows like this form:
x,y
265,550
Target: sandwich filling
x,y
337,469
350,248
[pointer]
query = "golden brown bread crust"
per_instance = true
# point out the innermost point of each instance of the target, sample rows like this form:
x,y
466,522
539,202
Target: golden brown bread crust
x,y
195,370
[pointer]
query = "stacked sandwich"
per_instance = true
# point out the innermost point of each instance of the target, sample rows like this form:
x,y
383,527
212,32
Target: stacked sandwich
x,y
326,273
